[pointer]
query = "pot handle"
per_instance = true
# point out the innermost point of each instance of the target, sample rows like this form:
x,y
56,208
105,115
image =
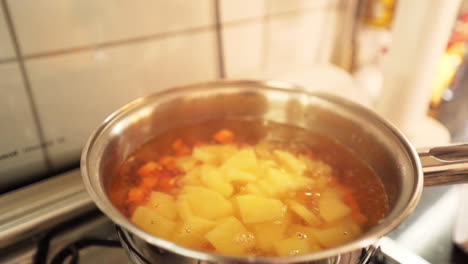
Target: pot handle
x,y
445,165
387,251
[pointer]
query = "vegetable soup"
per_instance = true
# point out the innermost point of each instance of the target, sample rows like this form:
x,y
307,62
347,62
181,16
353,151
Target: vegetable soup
x,y
254,188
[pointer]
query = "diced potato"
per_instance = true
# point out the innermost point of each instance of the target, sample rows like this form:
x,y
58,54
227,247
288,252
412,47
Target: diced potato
x,y
192,177
337,234
267,233
266,188
332,208
207,203
303,212
226,151
206,154
235,175
252,188
150,221
255,209
300,230
279,181
163,204
282,179
294,246
212,179
318,168
244,159
290,162
186,163
191,233
231,237
183,208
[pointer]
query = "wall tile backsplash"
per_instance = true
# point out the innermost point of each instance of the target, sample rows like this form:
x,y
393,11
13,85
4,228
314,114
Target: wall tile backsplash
x,y
83,59
69,89
18,156
6,44
50,25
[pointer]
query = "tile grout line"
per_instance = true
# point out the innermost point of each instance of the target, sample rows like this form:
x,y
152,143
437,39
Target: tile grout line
x,y
27,84
7,60
217,27
219,40
116,43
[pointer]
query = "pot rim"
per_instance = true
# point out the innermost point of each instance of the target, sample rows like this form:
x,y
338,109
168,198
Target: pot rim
x,y
99,197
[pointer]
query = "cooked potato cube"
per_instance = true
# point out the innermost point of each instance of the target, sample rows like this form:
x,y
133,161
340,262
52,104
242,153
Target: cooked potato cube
x,y
186,163
252,188
231,237
191,232
303,212
150,221
290,162
183,208
163,204
267,233
207,203
226,151
338,234
294,246
212,179
244,159
332,208
192,177
255,209
206,154
235,175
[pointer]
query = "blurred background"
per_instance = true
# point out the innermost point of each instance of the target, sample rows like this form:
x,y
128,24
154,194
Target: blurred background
x,y
66,65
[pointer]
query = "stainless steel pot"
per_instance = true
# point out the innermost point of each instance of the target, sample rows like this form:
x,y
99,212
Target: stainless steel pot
x,y
373,139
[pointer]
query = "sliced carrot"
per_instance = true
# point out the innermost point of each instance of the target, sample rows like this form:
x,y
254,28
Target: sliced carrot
x,y
148,183
136,195
169,163
149,169
166,183
180,148
224,136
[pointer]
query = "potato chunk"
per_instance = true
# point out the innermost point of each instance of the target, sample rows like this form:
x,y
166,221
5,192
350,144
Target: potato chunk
x,y
267,233
191,232
212,179
290,162
163,204
244,159
295,246
337,234
186,163
255,209
183,208
231,237
150,221
303,212
207,203
332,208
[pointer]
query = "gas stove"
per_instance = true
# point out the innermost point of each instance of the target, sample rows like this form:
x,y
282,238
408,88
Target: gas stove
x,y
56,222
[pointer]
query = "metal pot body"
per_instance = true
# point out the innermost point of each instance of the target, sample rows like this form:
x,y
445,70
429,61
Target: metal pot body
x,y
370,137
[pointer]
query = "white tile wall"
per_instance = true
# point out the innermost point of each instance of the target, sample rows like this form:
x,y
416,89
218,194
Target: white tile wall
x,y
235,10
244,48
279,6
18,129
49,25
6,45
279,43
76,88
75,92
298,40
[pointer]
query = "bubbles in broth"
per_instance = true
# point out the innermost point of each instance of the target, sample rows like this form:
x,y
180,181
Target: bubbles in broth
x,y
241,187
